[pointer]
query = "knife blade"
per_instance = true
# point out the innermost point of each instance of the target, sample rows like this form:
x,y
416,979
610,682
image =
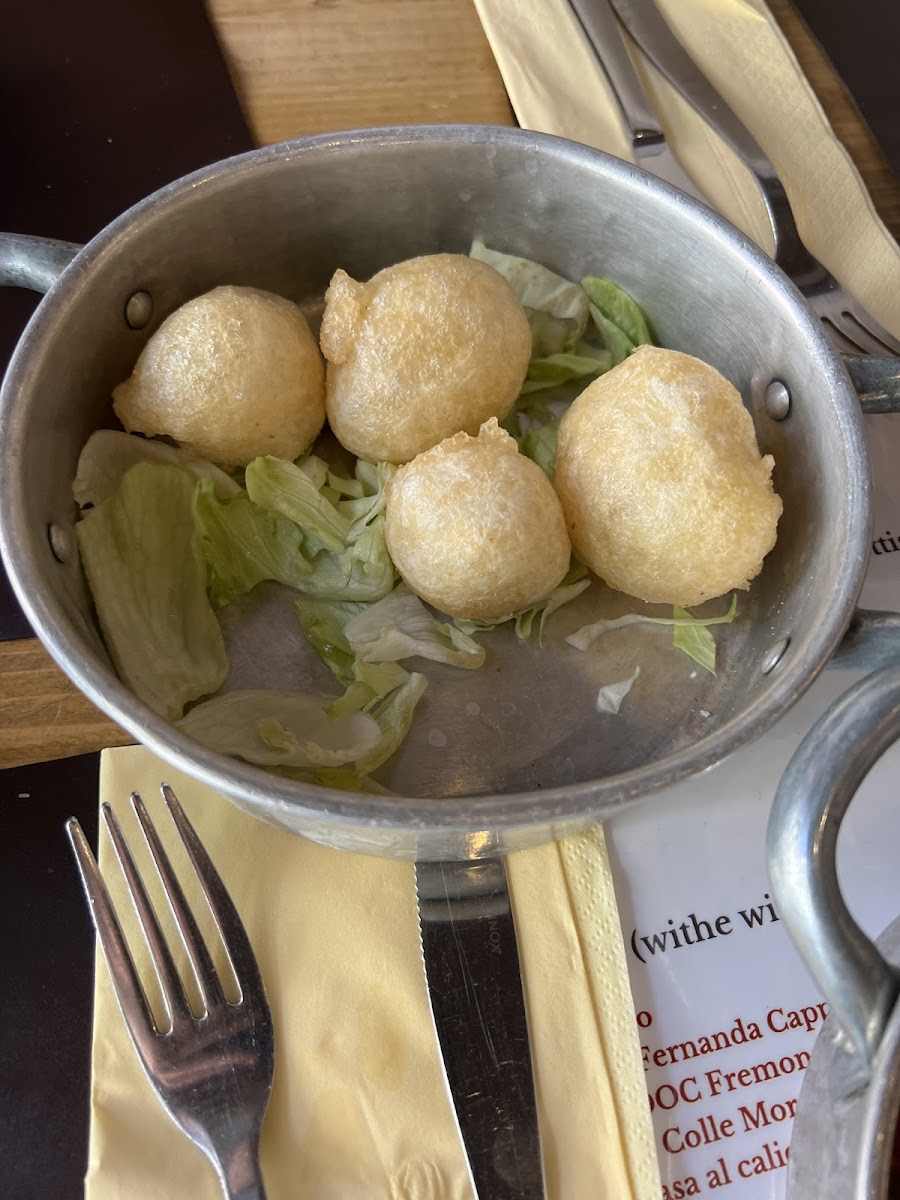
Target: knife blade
x,y
475,991
651,150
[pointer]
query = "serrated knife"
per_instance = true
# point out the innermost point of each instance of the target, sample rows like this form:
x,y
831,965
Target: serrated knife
x,y
478,1005
651,150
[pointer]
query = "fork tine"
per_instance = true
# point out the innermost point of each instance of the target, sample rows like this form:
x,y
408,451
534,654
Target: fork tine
x,y
204,970
227,919
869,333
126,984
166,972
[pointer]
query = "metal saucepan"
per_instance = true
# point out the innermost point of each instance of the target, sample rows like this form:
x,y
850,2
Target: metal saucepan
x,y
515,753
843,1136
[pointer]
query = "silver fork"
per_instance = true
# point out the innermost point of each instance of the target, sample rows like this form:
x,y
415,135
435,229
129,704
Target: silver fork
x,y
213,1072
852,329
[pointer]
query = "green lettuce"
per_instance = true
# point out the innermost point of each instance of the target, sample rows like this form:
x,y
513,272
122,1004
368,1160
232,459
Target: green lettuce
x,y
109,454
617,317
538,443
281,728
700,646
283,487
557,309
362,572
145,569
400,626
394,715
557,369
244,544
573,584
324,623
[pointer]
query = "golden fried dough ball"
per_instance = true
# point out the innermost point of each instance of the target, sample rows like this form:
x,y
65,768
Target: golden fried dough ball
x,y
425,349
231,375
665,493
475,528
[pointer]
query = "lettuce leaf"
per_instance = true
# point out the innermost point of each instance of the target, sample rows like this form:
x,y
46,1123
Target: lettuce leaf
x,y
557,309
573,584
610,697
362,572
538,443
617,316
283,487
279,728
689,641
394,715
324,622
109,454
371,682
557,369
400,626
244,544
145,569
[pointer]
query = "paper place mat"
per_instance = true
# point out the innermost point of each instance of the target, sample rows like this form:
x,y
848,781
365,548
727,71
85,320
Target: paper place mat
x,y
556,86
359,1107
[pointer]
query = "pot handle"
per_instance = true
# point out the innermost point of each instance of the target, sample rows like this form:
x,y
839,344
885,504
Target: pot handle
x,y
801,843
877,381
33,262
872,641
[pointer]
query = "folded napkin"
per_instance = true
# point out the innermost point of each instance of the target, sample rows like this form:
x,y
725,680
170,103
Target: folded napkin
x,y
556,86
359,1109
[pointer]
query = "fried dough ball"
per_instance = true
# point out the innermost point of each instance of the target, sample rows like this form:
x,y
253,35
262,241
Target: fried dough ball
x,y
425,349
234,374
475,528
665,493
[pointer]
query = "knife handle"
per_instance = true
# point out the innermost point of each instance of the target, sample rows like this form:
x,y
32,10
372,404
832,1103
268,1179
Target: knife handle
x,y
475,991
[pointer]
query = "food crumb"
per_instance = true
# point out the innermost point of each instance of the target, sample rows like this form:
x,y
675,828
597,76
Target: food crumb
x,y
437,737
704,712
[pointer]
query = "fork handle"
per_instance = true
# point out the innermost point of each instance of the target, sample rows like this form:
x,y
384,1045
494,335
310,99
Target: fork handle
x,y
238,1169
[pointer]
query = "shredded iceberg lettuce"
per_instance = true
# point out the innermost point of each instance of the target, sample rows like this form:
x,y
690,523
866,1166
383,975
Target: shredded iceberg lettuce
x,y
283,487
690,641
557,369
557,310
244,544
109,454
394,715
573,584
147,576
617,317
400,626
280,728
610,697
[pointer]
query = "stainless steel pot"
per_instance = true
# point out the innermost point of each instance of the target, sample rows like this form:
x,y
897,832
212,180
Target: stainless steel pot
x,y
843,1135
514,754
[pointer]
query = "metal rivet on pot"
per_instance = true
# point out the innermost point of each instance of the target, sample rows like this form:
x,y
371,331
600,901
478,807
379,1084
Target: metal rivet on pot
x,y
59,541
139,310
774,655
778,400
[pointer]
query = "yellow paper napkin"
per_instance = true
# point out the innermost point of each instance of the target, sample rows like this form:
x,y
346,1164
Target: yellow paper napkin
x,y
555,86
359,1109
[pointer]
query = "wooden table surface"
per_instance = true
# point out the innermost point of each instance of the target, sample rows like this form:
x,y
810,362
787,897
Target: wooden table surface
x,y
307,66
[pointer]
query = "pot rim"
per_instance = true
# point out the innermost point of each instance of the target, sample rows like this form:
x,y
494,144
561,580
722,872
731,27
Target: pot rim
x,y
271,795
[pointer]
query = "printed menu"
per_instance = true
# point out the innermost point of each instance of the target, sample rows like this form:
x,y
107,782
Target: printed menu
x,y
726,1010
